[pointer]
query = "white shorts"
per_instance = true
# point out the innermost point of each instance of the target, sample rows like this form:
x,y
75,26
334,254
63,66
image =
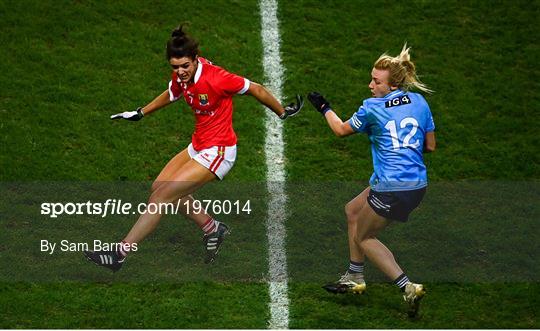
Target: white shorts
x,y
218,159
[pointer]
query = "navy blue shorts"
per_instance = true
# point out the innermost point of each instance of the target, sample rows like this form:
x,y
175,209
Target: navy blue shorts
x,y
396,205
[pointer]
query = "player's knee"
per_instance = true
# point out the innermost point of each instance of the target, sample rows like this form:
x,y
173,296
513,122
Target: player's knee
x,y
351,213
154,198
155,185
158,196
358,241
362,242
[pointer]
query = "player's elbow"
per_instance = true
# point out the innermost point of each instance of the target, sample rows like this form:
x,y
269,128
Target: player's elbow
x,y
340,132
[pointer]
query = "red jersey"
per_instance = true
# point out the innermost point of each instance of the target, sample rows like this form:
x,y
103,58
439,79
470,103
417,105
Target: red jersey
x,y
210,97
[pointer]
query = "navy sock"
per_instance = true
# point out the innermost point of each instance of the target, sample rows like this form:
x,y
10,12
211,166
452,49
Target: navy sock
x,y
356,267
401,281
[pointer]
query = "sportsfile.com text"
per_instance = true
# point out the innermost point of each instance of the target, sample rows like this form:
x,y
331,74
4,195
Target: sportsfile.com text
x,y
119,207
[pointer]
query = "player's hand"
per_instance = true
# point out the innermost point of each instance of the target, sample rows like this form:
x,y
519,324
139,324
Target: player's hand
x,y
319,102
293,108
129,115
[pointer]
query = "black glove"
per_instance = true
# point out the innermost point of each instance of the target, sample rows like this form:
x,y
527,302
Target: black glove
x,y
319,102
293,108
129,115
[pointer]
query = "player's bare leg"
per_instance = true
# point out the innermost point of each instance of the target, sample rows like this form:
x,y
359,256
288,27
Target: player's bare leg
x,y
352,281
200,217
370,224
189,178
352,211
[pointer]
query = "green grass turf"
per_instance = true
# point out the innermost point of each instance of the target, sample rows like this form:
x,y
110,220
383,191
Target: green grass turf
x,y
68,65
449,305
474,265
148,306
480,58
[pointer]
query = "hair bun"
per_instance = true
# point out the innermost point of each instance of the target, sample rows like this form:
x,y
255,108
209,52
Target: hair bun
x,y
178,33
182,44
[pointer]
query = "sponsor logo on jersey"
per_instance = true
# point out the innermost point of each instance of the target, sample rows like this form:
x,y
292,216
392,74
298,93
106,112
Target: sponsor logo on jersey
x,y
402,100
204,112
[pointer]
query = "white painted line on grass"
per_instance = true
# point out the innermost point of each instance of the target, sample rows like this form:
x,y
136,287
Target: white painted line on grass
x,y
275,168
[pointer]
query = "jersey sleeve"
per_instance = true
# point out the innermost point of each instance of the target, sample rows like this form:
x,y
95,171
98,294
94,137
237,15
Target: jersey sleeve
x,y
430,124
358,120
230,83
425,116
175,91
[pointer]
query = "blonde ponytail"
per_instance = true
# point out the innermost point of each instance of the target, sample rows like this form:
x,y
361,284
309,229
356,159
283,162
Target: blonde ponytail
x,y
402,71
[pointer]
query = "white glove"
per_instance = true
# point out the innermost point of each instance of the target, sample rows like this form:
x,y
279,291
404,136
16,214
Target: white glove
x,y
129,115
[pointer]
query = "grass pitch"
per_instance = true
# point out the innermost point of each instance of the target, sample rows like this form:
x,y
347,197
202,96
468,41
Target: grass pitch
x,y
68,65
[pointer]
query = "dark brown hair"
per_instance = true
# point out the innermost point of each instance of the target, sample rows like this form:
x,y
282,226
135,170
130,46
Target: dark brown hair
x,y
182,45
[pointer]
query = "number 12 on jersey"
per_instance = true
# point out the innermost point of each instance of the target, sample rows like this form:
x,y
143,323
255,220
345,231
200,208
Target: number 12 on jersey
x,y
404,124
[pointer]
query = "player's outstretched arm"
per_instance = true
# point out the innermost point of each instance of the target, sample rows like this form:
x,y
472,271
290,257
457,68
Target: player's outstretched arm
x,y
266,98
160,101
340,128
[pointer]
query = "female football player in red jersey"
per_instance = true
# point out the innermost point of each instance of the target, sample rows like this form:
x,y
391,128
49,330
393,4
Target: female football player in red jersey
x,y
208,90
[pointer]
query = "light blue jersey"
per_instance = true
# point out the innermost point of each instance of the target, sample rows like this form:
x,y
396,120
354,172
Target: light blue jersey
x,y
396,126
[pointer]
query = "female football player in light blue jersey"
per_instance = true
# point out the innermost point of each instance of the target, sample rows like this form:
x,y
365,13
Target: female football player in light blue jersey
x,y
400,127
